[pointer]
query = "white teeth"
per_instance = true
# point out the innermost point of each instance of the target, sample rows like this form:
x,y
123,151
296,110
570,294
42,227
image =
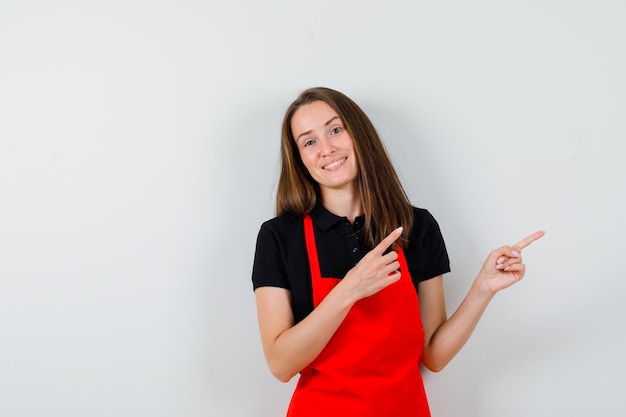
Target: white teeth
x,y
334,164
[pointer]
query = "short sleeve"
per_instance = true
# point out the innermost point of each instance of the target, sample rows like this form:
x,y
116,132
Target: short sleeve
x,y
268,268
426,252
437,260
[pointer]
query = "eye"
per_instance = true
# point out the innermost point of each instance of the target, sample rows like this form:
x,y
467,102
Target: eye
x,y
335,130
308,143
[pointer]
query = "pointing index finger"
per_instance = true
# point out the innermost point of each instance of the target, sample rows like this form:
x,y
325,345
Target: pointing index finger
x,y
529,239
386,242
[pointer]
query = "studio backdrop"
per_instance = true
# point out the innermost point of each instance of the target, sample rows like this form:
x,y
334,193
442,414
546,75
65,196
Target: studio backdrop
x,y
139,153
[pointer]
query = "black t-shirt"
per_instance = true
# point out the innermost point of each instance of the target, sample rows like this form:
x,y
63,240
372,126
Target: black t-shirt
x,y
281,257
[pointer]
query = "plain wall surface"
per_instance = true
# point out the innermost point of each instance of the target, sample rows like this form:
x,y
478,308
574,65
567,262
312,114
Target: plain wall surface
x,y
139,155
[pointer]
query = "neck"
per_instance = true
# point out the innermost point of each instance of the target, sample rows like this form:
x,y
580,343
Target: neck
x,y
342,203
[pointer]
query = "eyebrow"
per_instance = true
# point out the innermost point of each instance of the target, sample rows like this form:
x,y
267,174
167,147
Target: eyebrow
x,y
310,131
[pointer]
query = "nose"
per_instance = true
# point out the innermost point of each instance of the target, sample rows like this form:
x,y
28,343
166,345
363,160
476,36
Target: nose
x,y
327,147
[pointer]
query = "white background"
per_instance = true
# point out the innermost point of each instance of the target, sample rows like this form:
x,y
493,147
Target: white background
x,y
138,157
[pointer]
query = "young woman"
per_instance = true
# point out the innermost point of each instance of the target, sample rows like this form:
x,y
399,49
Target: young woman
x,y
348,276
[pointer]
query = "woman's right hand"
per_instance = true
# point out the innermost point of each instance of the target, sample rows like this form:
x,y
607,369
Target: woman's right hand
x,y
374,272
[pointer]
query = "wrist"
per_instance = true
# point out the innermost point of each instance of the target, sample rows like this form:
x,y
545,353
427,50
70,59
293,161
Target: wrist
x,y
482,290
341,296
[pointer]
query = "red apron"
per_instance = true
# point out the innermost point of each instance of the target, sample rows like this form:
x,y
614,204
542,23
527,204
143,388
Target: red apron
x,y
371,365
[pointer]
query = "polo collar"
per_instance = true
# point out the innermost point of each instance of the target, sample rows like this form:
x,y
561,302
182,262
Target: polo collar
x,y
325,220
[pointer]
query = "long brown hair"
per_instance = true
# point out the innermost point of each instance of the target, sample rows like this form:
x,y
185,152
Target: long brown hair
x,y
384,201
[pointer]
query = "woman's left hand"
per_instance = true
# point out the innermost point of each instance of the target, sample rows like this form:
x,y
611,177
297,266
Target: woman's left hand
x,y
504,267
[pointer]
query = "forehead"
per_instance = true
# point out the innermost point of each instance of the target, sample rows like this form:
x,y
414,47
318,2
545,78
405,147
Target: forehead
x,y
312,116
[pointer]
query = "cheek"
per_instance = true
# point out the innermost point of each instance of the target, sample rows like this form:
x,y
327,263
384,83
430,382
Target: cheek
x,y
355,161
307,160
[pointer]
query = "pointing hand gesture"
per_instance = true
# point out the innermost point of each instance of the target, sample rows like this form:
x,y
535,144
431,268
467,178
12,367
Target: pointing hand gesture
x,y
375,271
504,267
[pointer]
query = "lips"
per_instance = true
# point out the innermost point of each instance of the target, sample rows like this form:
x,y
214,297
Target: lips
x,y
335,164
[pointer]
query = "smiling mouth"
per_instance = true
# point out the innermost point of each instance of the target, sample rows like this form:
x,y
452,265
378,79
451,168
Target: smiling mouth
x,y
335,163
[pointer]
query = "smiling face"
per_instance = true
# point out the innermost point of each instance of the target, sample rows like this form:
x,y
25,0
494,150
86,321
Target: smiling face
x,y
325,147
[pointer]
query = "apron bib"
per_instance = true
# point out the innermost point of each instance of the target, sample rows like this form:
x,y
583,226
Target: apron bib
x,y
371,365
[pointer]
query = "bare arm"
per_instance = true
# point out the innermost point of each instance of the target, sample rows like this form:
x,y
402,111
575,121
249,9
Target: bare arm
x,y
445,337
289,347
